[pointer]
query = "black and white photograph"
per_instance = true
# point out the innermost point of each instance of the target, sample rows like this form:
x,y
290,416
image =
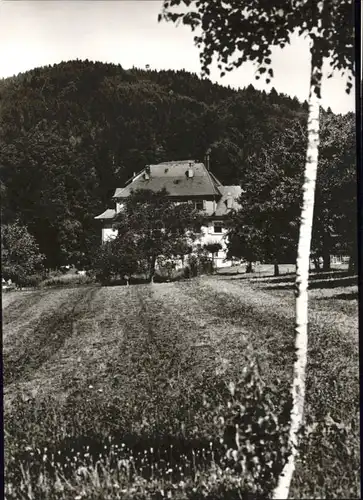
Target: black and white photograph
x,y
180,249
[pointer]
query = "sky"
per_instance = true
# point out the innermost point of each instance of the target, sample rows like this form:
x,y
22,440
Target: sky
x,y
35,33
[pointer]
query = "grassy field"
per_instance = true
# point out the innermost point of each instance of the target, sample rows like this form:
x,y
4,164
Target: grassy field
x,y
104,386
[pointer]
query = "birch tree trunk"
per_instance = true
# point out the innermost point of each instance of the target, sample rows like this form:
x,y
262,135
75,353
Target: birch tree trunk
x,y
302,277
276,269
152,268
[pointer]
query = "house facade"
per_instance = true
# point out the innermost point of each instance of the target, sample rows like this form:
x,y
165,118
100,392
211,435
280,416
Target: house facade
x,y
186,180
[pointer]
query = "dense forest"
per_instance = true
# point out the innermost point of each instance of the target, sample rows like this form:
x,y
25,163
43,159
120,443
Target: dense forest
x,y
72,132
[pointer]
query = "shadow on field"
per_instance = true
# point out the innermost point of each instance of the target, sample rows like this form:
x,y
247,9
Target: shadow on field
x,y
290,277
341,296
260,276
152,456
231,273
318,282
286,278
48,335
145,281
136,281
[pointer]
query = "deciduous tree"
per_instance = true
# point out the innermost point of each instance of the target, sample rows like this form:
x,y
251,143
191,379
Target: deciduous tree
x,y
157,227
20,256
236,31
335,213
117,259
265,228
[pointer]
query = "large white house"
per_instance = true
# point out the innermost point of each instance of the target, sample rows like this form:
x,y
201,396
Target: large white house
x,y
186,180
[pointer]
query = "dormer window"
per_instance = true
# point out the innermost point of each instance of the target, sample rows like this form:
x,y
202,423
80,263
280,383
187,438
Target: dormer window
x,y
217,227
147,172
190,173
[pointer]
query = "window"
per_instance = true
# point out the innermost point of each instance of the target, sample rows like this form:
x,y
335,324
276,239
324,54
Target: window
x,y
199,205
217,227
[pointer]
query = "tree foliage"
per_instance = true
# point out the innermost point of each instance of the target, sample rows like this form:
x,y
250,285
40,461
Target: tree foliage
x,y
21,260
266,226
117,259
239,31
335,217
236,32
73,132
152,227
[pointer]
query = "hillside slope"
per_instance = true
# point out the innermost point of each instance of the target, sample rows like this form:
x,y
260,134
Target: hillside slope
x,y
72,132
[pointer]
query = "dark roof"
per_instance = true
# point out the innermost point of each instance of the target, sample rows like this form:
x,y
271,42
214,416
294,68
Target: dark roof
x,y
172,176
107,214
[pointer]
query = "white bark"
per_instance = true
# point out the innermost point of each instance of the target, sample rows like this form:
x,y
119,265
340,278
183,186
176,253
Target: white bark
x,y
302,276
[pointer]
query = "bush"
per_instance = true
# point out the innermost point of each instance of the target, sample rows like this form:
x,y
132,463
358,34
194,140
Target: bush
x,y
21,260
116,259
198,264
67,280
33,280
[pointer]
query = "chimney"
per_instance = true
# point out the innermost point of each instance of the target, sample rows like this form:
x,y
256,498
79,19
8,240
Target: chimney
x,y
229,200
207,160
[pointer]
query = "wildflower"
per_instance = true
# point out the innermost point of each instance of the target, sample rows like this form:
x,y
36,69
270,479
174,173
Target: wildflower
x,y
58,486
82,471
90,387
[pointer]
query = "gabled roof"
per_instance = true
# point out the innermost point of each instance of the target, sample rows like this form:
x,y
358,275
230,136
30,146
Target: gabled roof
x,y
107,214
231,193
172,176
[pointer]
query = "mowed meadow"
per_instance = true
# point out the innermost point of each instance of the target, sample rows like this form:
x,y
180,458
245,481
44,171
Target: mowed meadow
x,y
122,392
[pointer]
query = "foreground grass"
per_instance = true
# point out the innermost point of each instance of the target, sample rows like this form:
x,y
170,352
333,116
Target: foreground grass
x,y
104,391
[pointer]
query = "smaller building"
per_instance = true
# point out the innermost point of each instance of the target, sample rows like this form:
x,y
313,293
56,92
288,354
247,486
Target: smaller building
x,y
186,180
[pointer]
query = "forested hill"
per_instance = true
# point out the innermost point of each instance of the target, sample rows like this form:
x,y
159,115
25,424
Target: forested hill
x,y
73,132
